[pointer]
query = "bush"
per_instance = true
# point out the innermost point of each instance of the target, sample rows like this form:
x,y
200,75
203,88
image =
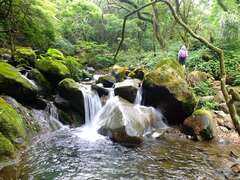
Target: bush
x,y
204,88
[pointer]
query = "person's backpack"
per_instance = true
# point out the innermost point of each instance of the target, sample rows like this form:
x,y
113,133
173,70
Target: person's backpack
x,y
183,53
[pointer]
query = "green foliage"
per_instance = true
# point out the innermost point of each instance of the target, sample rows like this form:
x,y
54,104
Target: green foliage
x,y
209,104
204,88
75,68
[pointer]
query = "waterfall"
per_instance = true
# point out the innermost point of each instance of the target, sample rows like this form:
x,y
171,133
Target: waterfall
x,y
29,80
138,98
92,103
53,117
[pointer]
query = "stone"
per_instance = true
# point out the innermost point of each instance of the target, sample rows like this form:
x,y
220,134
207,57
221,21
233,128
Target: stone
x,y
25,55
100,90
107,80
125,122
201,124
127,89
137,73
11,123
53,70
14,84
236,168
166,88
69,89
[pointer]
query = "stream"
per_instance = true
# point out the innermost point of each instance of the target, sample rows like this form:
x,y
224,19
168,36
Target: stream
x,y
66,154
81,153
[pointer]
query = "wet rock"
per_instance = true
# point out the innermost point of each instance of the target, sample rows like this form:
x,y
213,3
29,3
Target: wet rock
x,y
201,124
53,70
124,122
69,89
14,84
167,89
11,124
61,102
127,89
100,90
107,80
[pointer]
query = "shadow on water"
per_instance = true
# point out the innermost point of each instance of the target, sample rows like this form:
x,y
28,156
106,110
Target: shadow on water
x,y
65,155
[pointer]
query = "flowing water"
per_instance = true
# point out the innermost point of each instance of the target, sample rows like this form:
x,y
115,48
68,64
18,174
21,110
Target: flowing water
x,y
81,153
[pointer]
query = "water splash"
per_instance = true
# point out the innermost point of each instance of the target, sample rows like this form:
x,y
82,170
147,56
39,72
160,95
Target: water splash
x,y
54,117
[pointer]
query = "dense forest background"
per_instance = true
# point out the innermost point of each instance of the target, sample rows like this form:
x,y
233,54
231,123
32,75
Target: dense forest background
x,y
91,30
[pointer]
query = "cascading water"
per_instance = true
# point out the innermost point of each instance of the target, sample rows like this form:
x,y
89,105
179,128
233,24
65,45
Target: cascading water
x,y
53,117
138,99
29,80
92,103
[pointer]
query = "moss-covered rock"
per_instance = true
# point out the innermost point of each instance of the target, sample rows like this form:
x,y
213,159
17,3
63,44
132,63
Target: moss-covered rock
x,y
201,124
54,71
120,73
167,89
6,147
69,89
107,81
56,54
25,55
11,123
41,81
14,84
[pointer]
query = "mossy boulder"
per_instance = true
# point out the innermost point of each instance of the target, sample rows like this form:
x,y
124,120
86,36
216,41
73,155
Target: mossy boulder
x,y
166,88
119,72
25,55
43,84
69,89
54,71
6,147
56,54
14,84
201,124
11,123
107,80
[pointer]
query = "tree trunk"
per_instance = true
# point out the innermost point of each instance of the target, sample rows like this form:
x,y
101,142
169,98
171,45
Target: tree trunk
x,y
156,27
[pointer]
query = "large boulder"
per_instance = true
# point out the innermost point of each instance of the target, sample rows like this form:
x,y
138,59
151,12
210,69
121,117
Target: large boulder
x,y
16,85
54,71
70,90
25,55
137,73
201,124
127,89
12,129
126,123
166,88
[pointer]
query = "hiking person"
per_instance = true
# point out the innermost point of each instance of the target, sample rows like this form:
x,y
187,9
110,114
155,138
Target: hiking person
x,y
182,55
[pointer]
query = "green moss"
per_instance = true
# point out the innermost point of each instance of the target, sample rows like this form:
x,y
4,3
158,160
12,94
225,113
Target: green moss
x,y
6,147
54,69
11,123
166,63
4,51
120,72
68,83
25,55
202,112
55,53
